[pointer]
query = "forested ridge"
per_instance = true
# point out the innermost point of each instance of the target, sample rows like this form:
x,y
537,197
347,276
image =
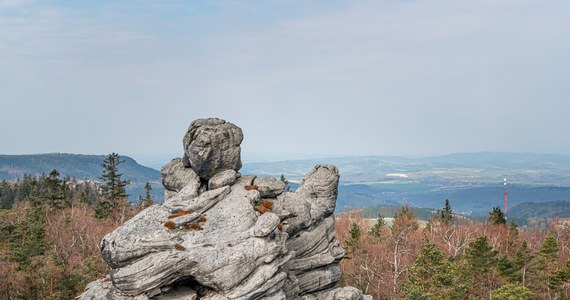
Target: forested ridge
x,y
79,167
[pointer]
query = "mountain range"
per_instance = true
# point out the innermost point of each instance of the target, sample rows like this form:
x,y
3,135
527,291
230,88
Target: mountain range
x,y
473,182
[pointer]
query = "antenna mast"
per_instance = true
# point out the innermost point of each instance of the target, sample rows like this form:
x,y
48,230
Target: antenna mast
x,y
505,198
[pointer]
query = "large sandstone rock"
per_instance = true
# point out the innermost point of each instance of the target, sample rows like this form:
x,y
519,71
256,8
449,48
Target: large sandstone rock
x,y
229,237
211,146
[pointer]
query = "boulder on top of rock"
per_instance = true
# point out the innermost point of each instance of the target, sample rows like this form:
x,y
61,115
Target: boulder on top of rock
x,y
211,146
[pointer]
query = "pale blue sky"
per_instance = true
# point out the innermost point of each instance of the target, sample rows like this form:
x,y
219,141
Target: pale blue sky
x,y
329,77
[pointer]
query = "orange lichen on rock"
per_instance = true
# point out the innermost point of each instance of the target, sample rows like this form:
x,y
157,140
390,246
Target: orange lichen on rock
x,y
267,204
179,247
194,226
280,226
180,213
203,218
262,209
264,206
250,187
169,224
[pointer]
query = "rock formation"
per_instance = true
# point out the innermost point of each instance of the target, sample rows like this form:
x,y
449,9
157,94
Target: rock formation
x,y
220,235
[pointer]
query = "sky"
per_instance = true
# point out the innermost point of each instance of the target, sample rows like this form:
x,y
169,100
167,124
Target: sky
x,y
397,77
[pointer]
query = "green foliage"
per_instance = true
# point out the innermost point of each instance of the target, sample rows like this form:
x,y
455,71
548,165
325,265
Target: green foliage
x,y
147,200
549,249
354,236
76,166
50,190
508,268
446,215
113,187
481,260
496,216
376,230
404,221
27,237
513,291
283,179
480,256
434,276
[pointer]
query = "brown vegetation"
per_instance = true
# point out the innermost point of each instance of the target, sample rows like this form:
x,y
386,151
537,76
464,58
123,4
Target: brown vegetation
x,y
170,225
194,226
264,206
250,187
71,258
179,247
180,213
383,265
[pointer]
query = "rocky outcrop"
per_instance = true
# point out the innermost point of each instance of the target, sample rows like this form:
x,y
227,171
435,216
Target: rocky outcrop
x,y
220,235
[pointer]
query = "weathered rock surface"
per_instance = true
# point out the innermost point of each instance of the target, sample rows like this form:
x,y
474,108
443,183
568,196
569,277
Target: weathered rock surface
x,y
220,235
175,177
227,177
211,146
269,186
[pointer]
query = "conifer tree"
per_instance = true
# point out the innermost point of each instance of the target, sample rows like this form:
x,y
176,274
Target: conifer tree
x,y
525,262
147,200
496,216
433,276
481,259
446,214
376,230
354,236
113,187
54,194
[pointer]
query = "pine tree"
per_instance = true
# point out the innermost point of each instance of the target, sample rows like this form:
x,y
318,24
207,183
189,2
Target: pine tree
x,y
446,214
549,257
113,187
27,237
525,262
376,230
433,276
354,236
147,200
481,258
54,194
496,216
283,179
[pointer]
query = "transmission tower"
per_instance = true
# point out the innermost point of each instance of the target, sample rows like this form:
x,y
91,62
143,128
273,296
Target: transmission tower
x,y
505,198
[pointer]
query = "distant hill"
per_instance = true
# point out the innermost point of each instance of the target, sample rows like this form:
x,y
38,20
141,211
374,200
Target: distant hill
x,y
549,209
473,182
80,166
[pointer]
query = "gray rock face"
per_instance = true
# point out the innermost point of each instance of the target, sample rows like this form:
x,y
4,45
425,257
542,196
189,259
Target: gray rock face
x,y
212,146
269,187
227,177
175,177
230,238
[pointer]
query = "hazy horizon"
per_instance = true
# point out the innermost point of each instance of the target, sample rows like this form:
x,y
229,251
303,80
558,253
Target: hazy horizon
x,y
336,78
